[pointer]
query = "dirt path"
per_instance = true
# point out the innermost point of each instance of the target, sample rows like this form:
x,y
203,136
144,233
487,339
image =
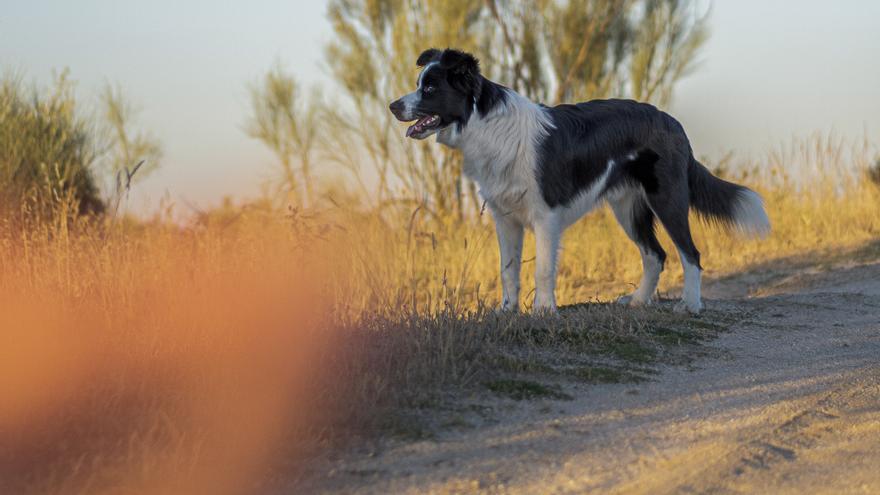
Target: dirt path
x,y
790,403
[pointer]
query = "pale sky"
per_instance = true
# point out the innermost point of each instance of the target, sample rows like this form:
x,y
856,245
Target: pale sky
x,y
771,70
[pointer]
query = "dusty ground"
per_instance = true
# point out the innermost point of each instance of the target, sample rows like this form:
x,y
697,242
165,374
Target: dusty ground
x,y
787,402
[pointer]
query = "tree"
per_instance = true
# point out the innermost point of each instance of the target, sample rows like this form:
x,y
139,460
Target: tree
x,y
126,147
287,122
52,156
46,152
548,50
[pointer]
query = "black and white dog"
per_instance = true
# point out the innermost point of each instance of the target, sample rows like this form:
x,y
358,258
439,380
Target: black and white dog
x,y
544,168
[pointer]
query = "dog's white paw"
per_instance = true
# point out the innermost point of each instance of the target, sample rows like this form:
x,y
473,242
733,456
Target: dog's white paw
x,y
633,301
544,308
692,307
508,307
545,311
544,303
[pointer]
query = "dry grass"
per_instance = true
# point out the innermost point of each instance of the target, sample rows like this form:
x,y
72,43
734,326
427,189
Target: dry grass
x,y
155,358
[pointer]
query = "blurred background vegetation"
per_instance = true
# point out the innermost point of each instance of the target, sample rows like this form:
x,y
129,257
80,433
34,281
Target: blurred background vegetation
x,y
549,51
340,155
346,149
56,157
366,246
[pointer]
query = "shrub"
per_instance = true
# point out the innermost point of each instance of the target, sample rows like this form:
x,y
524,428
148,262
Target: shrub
x,y
46,151
874,172
52,154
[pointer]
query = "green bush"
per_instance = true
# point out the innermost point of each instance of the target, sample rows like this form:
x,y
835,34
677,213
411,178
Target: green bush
x,y
53,155
874,172
46,151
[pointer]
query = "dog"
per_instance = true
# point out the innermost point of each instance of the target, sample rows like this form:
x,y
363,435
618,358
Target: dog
x,y
543,168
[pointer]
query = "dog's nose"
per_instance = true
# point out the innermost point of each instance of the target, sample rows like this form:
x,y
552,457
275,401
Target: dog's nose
x,y
396,107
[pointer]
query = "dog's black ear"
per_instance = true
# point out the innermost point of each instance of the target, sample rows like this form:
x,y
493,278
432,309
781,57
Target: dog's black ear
x,y
464,70
459,62
427,56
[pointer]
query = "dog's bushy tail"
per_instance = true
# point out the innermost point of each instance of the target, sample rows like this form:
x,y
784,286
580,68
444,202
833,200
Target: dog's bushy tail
x,y
726,203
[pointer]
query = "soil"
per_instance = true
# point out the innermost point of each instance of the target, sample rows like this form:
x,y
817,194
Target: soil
x,y
787,401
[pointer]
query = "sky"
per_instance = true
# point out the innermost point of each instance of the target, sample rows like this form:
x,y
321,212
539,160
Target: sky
x,y
771,70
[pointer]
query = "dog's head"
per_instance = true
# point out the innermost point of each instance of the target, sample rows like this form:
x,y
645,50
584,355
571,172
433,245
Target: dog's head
x,y
448,87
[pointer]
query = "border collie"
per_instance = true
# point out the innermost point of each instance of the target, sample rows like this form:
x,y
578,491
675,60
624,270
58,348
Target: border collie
x,y
544,168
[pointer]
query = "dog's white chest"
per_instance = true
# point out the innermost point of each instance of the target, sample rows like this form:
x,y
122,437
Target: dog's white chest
x,y
500,155
510,189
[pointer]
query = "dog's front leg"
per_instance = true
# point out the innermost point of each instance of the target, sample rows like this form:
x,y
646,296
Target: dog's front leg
x,y
547,234
510,242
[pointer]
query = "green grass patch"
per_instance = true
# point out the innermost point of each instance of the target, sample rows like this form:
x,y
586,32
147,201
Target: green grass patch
x,y
526,390
603,374
631,350
513,364
676,336
405,427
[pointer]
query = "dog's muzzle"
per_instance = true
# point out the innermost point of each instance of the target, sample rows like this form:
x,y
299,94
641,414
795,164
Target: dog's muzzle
x,y
425,124
398,108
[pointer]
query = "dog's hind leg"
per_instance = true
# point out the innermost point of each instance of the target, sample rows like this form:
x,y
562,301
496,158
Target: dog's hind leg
x,y
637,219
670,203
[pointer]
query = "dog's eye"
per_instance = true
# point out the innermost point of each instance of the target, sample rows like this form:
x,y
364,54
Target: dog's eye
x,y
428,89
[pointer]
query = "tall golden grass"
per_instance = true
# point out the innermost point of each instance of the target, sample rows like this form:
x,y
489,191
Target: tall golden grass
x,y
153,359
816,190
149,357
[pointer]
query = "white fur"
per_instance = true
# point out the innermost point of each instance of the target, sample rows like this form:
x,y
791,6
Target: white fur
x,y
690,297
548,233
510,243
623,201
411,101
749,214
651,268
587,200
500,155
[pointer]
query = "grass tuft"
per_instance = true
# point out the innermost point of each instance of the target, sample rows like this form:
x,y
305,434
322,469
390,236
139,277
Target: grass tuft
x,y
152,349
604,374
526,390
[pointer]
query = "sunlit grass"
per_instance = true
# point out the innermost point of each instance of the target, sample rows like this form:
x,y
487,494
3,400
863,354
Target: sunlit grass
x,y
162,358
430,266
155,359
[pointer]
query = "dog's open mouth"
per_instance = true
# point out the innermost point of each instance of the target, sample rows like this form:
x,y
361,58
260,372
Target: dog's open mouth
x,y
423,125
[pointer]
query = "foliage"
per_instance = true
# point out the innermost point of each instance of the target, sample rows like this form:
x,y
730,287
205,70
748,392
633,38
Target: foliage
x,y
126,148
550,51
53,156
162,347
288,122
874,172
47,152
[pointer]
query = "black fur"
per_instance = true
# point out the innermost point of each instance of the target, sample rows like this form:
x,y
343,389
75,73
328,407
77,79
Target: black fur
x,y
492,94
587,136
712,197
641,170
644,230
462,70
654,175
633,172
427,57
457,74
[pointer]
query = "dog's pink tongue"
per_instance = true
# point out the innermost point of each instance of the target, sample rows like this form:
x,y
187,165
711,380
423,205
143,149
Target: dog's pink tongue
x,y
417,127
